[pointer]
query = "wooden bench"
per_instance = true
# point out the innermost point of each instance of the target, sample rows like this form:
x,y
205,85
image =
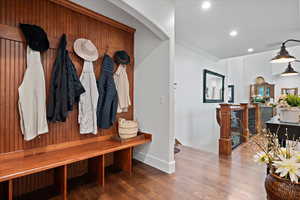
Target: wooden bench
x,y
58,157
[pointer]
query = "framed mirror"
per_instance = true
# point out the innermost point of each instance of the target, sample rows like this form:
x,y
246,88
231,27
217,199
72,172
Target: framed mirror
x,y
213,87
293,91
230,93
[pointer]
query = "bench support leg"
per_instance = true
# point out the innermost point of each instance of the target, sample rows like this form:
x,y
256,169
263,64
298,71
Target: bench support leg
x,y
61,178
10,189
123,160
6,190
97,169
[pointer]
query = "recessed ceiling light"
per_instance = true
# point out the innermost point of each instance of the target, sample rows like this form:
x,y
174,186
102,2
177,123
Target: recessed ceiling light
x,y
233,33
250,50
206,5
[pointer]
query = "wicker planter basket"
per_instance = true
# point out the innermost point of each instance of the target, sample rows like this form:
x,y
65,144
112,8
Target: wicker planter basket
x,y
127,128
281,189
291,115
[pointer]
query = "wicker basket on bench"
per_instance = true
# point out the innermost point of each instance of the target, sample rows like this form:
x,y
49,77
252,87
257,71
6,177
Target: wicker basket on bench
x,y
128,128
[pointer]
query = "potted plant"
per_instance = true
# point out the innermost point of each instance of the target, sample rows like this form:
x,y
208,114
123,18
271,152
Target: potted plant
x,y
283,167
289,108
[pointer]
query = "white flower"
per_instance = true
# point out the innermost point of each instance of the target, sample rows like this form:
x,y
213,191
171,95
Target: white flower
x,y
261,158
288,167
297,156
286,153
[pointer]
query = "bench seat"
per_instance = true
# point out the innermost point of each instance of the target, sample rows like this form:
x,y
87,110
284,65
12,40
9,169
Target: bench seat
x,y
15,167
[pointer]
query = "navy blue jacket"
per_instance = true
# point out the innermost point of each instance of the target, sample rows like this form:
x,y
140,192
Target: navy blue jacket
x,y
108,98
65,88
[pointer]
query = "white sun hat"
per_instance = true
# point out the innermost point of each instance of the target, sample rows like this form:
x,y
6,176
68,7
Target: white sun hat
x,y
85,49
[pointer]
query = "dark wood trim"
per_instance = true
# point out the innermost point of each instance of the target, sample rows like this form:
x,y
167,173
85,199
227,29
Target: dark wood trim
x,y
11,33
232,94
123,160
87,12
96,167
245,122
60,179
225,143
101,171
218,115
10,190
53,159
225,147
54,147
56,18
148,136
14,34
205,72
223,115
59,160
6,190
257,117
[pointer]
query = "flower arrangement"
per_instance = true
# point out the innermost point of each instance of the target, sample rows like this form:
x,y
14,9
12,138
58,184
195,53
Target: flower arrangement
x,y
284,162
288,108
288,101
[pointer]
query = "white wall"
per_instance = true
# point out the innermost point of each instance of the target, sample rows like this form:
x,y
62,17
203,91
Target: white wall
x,y
235,77
156,16
245,69
196,124
286,82
195,121
159,12
153,67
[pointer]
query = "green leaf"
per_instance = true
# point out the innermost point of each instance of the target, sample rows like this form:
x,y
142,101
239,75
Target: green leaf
x,y
293,100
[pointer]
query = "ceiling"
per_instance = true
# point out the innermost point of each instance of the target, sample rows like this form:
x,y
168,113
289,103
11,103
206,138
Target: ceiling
x,y
261,25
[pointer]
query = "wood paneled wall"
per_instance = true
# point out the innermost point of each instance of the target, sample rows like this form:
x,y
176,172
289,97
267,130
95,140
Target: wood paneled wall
x,y
55,19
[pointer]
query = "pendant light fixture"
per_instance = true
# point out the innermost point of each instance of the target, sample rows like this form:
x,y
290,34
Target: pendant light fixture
x,y
289,71
283,56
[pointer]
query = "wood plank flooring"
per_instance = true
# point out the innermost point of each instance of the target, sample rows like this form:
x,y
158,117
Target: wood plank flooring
x,y
199,175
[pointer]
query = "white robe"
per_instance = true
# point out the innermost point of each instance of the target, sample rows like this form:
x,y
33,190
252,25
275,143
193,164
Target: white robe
x,y
87,117
122,85
32,98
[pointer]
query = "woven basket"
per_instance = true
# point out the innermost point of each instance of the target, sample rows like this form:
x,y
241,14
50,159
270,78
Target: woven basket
x,y
128,128
291,115
281,189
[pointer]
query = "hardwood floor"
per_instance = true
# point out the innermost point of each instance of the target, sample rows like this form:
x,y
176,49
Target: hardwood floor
x,y
199,175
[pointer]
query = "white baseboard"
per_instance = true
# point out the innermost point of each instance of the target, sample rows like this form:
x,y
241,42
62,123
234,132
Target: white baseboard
x,y
168,167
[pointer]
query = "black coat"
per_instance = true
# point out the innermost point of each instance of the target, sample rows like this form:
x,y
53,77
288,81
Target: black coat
x,y
65,87
108,98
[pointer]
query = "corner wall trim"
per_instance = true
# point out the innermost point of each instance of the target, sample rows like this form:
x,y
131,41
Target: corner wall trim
x,y
168,167
84,11
154,27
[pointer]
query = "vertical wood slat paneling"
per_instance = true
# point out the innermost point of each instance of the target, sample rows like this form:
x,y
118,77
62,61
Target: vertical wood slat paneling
x,y
7,84
55,20
2,93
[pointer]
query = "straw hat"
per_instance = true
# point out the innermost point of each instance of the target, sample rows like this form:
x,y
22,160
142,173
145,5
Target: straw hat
x,y
85,49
